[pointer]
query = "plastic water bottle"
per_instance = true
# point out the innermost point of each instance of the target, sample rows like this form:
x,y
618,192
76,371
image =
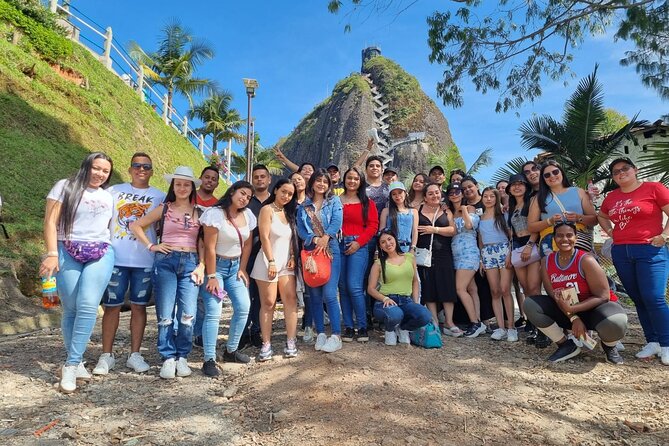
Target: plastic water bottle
x,y
592,190
50,297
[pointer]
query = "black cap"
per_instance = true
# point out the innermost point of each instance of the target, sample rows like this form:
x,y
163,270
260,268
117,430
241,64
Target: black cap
x,y
436,168
330,166
390,169
515,178
453,186
622,159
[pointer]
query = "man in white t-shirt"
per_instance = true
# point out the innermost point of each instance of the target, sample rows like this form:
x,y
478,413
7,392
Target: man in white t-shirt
x,y
133,264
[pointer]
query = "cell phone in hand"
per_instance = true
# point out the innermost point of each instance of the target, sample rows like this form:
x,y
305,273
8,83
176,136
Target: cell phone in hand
x,y
569,295
373,133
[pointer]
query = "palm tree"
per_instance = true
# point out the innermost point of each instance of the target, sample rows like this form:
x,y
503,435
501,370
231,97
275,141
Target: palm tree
x,y
261,155
578,143
174,64
655,163
218,119
450,160
509,168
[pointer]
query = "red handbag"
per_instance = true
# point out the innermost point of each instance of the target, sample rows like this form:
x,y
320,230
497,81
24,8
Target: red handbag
x,y
316,267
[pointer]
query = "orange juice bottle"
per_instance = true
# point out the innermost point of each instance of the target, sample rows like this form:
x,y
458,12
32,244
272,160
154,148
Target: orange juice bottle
x,y
50,297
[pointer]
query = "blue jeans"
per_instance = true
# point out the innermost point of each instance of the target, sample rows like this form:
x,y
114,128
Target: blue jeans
x,y
175,293
407,314
80,288
643,270
328,294
226,274
139,280
351,282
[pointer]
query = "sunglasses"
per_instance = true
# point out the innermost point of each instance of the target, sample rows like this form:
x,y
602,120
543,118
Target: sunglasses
x,y
554,173
531,169
145,166
615,172
454,192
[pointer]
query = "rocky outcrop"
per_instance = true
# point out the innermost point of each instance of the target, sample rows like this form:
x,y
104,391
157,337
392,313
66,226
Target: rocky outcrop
x,y
385,97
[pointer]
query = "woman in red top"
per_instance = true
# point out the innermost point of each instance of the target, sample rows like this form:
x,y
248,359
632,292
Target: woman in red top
x,y
639,251
594,307
361,222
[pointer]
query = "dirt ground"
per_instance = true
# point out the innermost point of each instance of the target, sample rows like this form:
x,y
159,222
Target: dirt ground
x,y
471,392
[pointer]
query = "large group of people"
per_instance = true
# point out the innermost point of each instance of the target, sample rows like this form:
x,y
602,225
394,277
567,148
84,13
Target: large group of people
x,y
439,251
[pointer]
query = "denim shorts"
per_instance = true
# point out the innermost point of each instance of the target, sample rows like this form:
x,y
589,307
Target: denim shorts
x,y
139,280
494,255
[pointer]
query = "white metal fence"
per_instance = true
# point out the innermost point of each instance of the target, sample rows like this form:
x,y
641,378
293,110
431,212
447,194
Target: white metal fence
x,y
101,43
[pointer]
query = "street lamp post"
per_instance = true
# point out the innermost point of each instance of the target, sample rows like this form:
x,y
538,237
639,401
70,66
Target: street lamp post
x,y
250,85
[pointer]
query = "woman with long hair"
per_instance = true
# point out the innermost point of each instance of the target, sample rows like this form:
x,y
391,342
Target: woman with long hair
x,y
400,218
466,260
79,253
228,227
360,223
274,270
417,190
397,299
640,252
302,293
319,220
579,299
300,186
435,232
495,249
178,269
558,200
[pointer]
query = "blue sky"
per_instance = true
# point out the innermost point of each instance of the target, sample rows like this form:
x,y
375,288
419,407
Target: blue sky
x,y
298,51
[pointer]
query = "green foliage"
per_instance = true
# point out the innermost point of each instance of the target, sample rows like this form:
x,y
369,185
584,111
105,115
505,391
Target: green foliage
x,y
449,159
220,121
49,124
613,121
48,43
353,82
509,168
578,142
36,11
655,163
261,155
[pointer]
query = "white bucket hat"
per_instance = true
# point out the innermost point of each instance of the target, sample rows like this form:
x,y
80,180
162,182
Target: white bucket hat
x,y
183,173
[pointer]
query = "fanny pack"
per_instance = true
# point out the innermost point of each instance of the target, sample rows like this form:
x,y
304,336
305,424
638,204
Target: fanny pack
x,y
84,252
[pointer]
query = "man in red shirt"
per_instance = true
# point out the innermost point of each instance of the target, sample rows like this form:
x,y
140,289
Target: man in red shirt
x,y
205,194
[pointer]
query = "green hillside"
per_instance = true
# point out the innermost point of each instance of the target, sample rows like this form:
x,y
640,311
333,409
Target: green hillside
x,y
49,123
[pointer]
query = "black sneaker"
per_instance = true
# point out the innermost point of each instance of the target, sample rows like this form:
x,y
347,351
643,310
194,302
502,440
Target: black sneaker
x,y
612,354
256,339
209,368
348,334
474,329
236,356
542,341
565,351
362,335
531,336
197,342
520,322
529,327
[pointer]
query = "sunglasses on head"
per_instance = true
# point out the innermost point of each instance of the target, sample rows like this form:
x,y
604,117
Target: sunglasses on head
x,y
145,166
554,173
621,170
534,168
454,192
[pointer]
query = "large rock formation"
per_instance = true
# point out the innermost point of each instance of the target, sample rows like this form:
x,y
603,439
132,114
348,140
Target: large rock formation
x,y
383,96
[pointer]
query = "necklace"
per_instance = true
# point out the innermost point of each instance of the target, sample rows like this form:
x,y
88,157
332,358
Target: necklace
x,y
566,259
276,208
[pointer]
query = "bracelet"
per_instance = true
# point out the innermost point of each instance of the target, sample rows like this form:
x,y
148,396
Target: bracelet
x,y
550,222
385,298
149,246
580,219
271,261
573,317
211,276
51,254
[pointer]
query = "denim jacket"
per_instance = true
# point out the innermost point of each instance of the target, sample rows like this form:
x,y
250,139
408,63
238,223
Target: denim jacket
x,y
331,216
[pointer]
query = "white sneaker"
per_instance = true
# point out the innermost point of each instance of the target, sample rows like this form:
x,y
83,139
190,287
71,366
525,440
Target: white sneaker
x,y
454,331
182,367
649,350
620,346
512,335
169,369
664,355
321,339
137,363
498,334
403,337
308,334
82,373
105,364
68,378
390,338
333,344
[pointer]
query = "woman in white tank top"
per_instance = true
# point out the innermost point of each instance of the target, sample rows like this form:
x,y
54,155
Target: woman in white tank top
x,y
274,268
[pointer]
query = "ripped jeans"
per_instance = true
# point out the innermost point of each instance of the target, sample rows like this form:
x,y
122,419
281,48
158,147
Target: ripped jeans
x,y
175,290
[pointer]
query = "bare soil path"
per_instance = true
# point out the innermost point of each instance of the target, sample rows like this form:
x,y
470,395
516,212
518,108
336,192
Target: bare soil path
x,y
471,392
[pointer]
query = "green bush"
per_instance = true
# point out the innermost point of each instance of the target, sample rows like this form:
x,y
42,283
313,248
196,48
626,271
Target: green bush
x,y
36,11
52,46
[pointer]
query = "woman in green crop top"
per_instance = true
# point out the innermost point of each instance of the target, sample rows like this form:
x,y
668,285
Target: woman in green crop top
x,y
397,299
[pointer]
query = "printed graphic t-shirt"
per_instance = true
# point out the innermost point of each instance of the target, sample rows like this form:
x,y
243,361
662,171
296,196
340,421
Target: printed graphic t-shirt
x,y
91,220
638,214
131,204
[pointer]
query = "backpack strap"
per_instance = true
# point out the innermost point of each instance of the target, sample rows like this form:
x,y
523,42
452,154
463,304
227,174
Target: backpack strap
x,y
161,223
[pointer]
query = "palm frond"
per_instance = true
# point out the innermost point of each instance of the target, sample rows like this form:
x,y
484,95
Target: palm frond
x,y
509,168
483,160
655,162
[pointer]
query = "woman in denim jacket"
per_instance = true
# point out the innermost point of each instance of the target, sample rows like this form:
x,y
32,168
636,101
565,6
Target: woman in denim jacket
x,y
321,205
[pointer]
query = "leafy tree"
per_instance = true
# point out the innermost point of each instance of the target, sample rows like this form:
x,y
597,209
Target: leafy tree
x,y
450,160
219,120
174,63
511,46
578,142
261,155
614,121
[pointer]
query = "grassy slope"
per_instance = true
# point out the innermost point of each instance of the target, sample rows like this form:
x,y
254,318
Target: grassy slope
x,y
47,126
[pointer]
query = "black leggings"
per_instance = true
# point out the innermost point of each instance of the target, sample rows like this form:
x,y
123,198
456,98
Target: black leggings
x,y
608,319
